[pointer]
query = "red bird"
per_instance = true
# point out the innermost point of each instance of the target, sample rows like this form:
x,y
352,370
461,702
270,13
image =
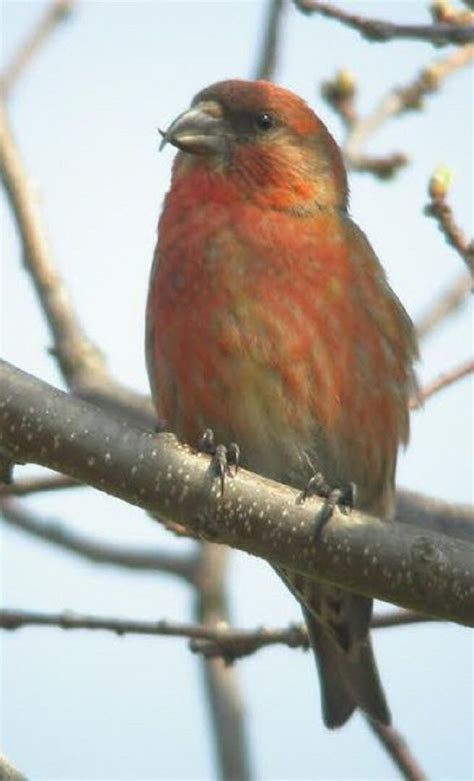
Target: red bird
x,y
270,320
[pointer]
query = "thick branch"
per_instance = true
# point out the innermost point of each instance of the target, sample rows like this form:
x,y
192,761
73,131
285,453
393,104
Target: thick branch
x,y
380,31
411,567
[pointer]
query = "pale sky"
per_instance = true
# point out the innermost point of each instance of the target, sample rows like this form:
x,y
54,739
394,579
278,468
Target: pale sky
x,y
79,705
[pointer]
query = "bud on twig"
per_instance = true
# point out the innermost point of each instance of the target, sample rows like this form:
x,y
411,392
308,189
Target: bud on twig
x,y
440,182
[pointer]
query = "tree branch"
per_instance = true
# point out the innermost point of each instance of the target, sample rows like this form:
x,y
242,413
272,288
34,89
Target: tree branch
x,y
381,31
446,304
234,644
444,380
411,567
84,369
56,12
420,511
98,552
340,93
269,50
399,750
443,214
212,640
226,710
33,485
221,646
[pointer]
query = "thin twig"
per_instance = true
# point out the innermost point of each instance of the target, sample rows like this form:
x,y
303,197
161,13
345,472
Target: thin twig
x,y
341,92
443,214
398,101
34,485
235,644
16,619
56,12
395,618
77,357
269,50
424,512
380,31
183,566
398,748
442,381
449,301
211,640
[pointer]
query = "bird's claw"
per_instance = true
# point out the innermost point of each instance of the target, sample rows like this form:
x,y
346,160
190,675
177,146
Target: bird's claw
x,y
225,460
344,497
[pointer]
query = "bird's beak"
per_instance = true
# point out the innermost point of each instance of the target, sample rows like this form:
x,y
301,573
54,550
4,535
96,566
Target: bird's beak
x,y
199,131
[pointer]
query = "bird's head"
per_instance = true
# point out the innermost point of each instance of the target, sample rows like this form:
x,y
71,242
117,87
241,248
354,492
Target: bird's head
x,y
266,140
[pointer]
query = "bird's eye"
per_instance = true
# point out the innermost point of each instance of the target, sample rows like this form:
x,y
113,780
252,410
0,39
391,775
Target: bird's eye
x,y
264,121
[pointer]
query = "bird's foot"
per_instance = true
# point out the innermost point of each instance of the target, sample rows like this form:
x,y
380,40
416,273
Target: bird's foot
x,y
344,497
225,460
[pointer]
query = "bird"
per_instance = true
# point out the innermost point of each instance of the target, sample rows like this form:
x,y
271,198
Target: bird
x,y
270,322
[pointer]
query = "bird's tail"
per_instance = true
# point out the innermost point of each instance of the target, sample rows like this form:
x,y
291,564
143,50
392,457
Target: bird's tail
x,y
348,677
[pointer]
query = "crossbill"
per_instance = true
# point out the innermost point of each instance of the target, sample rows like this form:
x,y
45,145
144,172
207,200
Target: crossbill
x,y
270,321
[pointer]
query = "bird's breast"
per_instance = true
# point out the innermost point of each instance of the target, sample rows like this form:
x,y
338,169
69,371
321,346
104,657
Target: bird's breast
x,y
252,332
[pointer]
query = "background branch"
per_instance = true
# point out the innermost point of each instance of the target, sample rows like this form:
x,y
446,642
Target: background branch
x,y
18,517
447,303
340,93
444,380
56,12
213,639
33,485
226,645
425,512
268,53
226,710
380,31
443,214
399,750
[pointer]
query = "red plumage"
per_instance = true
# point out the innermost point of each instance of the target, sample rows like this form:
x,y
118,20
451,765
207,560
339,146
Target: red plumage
x,y
270,320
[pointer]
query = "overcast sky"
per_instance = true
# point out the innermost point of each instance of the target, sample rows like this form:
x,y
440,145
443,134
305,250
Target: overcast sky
x,y
82,706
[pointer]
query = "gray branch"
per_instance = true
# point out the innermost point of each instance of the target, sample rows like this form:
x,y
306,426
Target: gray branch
x,y
412,567
144,560
379,30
